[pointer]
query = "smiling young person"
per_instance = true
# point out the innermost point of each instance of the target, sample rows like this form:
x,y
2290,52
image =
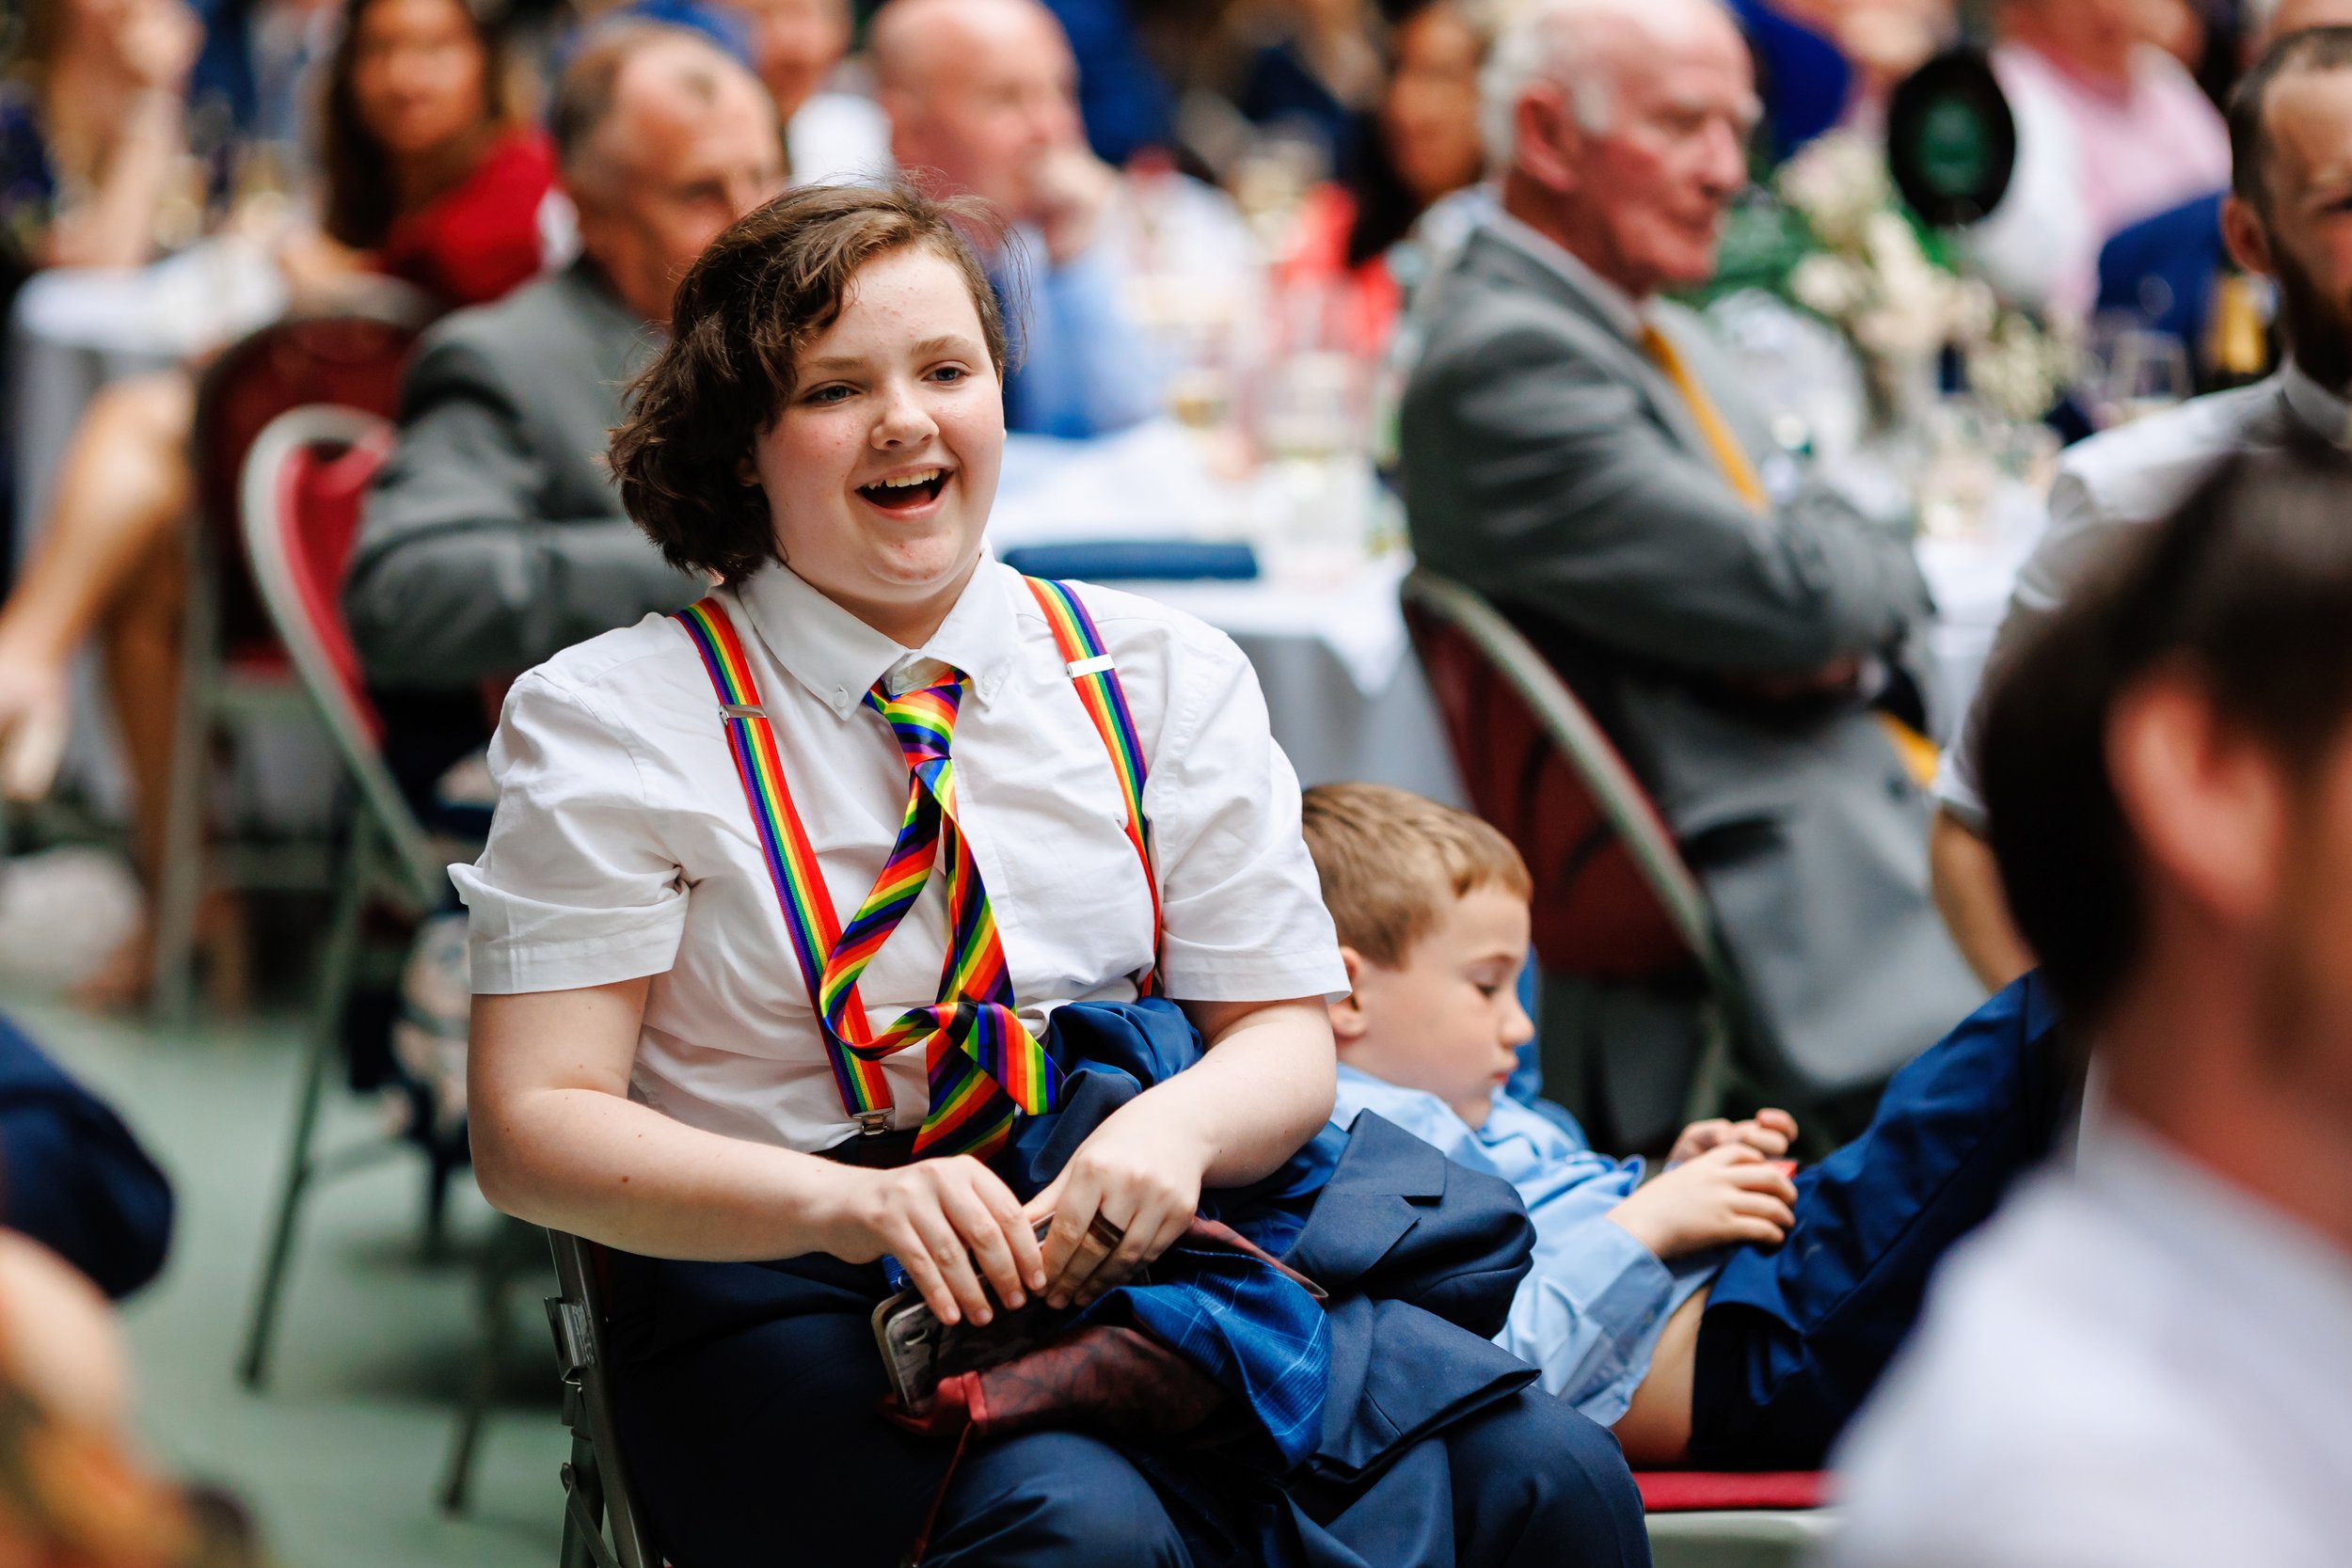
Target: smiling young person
x,y
822,437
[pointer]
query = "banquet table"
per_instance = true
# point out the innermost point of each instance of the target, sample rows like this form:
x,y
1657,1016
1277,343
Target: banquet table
x,y
1321,623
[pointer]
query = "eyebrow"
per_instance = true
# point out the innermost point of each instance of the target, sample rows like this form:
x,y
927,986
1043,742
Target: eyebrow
x,y
946,343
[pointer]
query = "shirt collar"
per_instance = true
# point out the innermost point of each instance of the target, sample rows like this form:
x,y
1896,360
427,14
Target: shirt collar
x,y
1620,310
838,658
2325,413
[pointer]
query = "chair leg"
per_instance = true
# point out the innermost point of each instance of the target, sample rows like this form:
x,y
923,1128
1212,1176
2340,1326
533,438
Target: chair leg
x,y
342,944
180,888
501,1258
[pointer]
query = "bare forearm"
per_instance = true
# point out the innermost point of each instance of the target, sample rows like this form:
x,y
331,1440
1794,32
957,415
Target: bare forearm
x,y
1264,1090
117,226
1969,891
608,1169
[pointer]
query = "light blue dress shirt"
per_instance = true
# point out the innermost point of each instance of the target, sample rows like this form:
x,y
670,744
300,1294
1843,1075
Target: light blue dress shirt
x,y
1590,1310
1082,367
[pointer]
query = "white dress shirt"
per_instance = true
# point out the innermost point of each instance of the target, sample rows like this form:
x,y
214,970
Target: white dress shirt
x,y
2135,1366
622,845
2117,483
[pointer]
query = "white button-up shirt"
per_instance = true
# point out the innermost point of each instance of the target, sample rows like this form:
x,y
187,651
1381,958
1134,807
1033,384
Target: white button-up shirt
x,y
2138,1366
622,845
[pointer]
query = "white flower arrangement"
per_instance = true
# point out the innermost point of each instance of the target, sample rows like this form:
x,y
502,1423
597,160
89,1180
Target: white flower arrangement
x,y
1876,279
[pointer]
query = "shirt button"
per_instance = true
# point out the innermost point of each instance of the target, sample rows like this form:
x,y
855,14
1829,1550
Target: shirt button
x,y
840,693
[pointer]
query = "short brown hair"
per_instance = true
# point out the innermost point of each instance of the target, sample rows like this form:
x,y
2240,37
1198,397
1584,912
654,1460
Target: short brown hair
x,y
1390,860
771,282
2246,590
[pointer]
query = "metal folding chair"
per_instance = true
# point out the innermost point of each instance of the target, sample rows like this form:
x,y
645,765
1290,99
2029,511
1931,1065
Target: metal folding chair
x,y
602,1524
1614,900
232,666
303,484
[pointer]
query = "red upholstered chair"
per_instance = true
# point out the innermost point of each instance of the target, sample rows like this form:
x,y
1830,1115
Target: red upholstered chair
x,y
303,482
1613,899
231,663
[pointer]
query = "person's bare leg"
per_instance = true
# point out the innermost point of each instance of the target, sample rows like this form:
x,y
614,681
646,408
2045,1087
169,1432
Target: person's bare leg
x,y
121,489
1656,1428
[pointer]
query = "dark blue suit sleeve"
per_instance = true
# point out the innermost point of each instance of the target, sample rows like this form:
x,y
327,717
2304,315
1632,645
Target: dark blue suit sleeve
x,y
72,1177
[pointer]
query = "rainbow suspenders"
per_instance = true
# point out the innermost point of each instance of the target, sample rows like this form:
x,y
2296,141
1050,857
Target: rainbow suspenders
x,y
974,1121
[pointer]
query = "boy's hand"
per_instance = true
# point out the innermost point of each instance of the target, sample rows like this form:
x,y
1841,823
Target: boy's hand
x,y
1731,1192
1769,1132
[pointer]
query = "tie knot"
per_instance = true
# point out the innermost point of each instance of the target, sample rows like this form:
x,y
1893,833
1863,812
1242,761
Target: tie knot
x,y
924,720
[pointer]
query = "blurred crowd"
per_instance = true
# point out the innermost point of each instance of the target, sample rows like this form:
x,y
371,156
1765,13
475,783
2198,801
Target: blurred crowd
x,y
1452,235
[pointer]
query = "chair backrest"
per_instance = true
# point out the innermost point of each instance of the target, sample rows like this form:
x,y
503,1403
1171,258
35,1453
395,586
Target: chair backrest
x,y
597,1478
352,357
1613,899
304,480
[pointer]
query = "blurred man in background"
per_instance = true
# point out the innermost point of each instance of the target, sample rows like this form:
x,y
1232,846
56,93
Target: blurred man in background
x,y
982,100
2287,217
2146,1362
795,47
1574,448
493,537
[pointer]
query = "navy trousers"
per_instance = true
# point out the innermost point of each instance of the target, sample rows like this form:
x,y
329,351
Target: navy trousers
x,y
1793,1339
747,1397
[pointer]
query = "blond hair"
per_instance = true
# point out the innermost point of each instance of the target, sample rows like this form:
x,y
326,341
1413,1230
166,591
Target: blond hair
x,y
1392,861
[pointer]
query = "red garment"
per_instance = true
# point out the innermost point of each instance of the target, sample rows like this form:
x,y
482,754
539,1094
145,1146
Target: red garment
x,y
1365,297
481,237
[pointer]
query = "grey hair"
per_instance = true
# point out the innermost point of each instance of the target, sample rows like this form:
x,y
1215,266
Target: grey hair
x,y
1552,41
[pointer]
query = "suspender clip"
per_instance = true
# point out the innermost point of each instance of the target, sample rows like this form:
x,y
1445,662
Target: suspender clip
x,y
742,710
871,1123
1094,666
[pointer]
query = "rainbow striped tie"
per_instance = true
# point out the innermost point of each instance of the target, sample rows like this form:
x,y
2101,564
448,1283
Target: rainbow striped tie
x,y
982,1063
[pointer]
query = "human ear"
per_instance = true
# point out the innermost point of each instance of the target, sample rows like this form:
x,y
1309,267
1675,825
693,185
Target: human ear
x,y
1546,137
2248,241
1348,1019
2207,806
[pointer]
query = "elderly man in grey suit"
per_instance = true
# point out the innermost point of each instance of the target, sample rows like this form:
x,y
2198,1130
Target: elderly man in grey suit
x,y
493,538
1574,450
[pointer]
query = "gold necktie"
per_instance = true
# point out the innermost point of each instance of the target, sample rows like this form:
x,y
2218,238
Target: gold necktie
x,y
1731,456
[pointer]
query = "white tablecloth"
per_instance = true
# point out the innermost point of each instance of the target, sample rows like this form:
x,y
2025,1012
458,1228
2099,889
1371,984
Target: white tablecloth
x,y
1323,625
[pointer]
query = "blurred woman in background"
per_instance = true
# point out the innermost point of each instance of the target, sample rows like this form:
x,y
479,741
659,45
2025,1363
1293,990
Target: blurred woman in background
x,y
92,132
431,178
1364,237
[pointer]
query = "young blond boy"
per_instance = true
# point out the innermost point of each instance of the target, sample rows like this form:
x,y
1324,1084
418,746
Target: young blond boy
x,y
1667,1308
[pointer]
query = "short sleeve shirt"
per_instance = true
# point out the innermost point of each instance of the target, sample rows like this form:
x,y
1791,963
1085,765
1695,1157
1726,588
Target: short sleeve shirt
x,y
622,845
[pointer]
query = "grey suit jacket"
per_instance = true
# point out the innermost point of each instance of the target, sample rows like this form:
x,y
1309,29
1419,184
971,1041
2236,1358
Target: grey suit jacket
x,y
1550,465
493,538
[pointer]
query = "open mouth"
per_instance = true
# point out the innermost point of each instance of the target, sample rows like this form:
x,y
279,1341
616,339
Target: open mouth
x,y
906,492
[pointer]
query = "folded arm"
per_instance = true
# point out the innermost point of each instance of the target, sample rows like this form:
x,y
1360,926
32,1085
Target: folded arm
x,y
1573,500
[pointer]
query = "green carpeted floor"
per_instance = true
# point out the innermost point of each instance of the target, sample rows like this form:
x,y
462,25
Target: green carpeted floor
x,y
341,1455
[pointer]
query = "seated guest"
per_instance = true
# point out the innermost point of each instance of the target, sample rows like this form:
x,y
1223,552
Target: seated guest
x,y
72,1176
92,125
1574,449
2174,271
1419,147
432,175
1718,1313
2111,128
828,134
2290,131
982,99
671,1054
433,178
2146,1359
493,537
